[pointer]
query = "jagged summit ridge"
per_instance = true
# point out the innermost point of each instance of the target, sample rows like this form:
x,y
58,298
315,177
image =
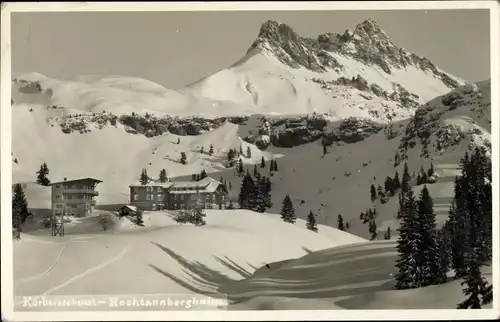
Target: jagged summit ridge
x,y
368,43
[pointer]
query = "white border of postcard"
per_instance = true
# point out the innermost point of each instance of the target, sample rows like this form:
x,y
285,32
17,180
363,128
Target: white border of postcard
x,y
6,168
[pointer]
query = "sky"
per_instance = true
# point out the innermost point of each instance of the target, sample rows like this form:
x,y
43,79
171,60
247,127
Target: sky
x,y
175,49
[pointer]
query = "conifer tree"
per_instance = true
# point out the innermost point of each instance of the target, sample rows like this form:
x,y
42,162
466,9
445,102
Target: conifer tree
x,y
287,210
405,182
246,188
388,233
241,150
262,163
42,175
373,193
444,256
230,155
268,185
347,225
240,166
260,196
203,174
275,166
198,213
230,186
430,172
144,179
178,141
163,175
427,260
255,172
183,158
271,165
389,186
19,207
340,222
249,152
311,222
396,182
372,228
202,150
408,275
211,151
380,192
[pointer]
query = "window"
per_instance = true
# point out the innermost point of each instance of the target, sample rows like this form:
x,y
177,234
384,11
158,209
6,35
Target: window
x,y
67,196
222,197
208,197
182,197
175,197
153,207
182,206
193,197
136,197
58,186
159,196
148,197
149,188
158,189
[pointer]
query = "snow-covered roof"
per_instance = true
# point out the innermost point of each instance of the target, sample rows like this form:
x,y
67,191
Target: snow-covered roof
x,y
204,185
154,184
195,184
133,208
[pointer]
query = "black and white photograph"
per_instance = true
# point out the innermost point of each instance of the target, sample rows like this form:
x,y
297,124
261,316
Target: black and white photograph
x,y
253,158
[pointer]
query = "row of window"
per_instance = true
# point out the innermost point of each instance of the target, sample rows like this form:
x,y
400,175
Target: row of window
x,y
160,197
160,189
74,197
74,186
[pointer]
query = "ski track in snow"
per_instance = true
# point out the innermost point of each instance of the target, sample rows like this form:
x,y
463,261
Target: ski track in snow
x,y
28,279
87,272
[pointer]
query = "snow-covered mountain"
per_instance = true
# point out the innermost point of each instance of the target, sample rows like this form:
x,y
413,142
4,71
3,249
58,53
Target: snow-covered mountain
x,y
359,73
111,127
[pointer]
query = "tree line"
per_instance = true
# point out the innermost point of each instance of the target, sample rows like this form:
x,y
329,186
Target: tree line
x,y
463,244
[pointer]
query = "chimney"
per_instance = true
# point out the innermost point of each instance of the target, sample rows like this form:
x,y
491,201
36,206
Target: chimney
x,y
65,179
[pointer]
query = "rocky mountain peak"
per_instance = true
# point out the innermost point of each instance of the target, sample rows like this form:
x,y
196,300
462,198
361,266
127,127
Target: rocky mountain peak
x,y
367,43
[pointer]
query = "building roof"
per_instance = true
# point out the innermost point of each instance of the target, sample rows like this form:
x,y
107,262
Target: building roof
x,y
130,207
206,184
153,184
76,180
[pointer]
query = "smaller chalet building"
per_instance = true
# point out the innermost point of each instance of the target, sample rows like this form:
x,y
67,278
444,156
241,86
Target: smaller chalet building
x,y
179,195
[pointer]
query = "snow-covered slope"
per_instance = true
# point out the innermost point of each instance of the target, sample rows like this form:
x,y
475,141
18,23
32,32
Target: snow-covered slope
x,y
338,183
161,257
358,277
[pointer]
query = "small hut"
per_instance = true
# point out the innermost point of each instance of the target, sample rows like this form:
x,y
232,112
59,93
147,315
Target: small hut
x,y
128,210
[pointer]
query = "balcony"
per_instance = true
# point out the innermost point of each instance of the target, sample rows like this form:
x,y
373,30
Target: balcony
x,y
85,191
74,201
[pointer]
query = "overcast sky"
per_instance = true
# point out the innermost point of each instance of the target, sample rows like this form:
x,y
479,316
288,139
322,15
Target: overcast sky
x,y
177,48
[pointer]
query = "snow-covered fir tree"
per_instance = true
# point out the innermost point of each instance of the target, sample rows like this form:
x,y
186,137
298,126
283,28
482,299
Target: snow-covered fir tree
x,y
249,152
211,151
373,193
163,175
245,191
340,222
287,210
408,275
198,212
144,178
425,241
311,222
183,158
262,162
19,207
42,175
